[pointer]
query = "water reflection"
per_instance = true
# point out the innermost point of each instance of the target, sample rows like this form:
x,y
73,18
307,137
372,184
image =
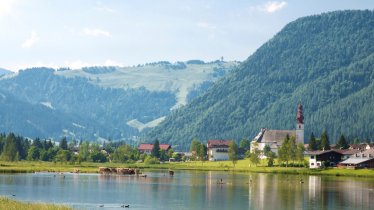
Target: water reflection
x,y
193,190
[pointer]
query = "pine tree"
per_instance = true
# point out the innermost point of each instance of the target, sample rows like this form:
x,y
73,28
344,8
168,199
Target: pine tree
x,y
156,149
312,143
233,152
10,150
64,144
342,143
325,143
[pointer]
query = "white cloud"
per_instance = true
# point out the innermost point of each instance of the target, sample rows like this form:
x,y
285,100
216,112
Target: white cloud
x,y
274,6
6,6
109,62
77,64
96,32
206,25
29,42
271,6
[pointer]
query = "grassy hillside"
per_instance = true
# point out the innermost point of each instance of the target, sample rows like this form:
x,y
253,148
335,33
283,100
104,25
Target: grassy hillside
x,y
325,61
101,102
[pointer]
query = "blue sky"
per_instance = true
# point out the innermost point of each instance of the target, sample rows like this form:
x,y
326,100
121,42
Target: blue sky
x,y
76,33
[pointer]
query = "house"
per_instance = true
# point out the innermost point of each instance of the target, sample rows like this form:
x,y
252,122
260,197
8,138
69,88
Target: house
x,y
317,158
364,159
218,150
275,138
360,147
346,153
147,148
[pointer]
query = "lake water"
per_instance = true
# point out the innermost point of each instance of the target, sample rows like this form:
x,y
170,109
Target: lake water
x,y
192,190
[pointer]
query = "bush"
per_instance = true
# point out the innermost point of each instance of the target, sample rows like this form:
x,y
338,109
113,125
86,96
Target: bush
x,y
151,160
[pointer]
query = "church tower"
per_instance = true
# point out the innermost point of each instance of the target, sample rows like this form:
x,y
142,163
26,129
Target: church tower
x,y
300,124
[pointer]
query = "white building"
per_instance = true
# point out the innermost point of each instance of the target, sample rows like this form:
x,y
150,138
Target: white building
x,y
218,150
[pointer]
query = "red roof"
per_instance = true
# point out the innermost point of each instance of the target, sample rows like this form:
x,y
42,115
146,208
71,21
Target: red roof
x,y
145,147
164,146
150,146
218,143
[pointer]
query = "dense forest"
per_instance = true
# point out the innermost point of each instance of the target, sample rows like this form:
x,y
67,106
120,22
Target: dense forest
x,y
325,61
97,103
39,103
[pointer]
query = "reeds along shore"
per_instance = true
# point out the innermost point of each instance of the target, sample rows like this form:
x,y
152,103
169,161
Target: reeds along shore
x,y
10,204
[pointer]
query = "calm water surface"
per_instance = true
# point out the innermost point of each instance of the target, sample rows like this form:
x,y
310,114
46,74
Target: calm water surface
x,y
192,190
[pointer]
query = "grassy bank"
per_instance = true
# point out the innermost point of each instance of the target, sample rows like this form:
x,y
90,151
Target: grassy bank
x,y
241,166
10,204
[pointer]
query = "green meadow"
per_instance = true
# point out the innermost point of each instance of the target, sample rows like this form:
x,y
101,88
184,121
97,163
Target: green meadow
x,y
242,166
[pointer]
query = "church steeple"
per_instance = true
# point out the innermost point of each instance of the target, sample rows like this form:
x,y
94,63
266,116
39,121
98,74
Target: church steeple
x,y
299,115
300,124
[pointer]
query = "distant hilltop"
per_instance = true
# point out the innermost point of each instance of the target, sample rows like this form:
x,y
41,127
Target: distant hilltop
x,y
101,102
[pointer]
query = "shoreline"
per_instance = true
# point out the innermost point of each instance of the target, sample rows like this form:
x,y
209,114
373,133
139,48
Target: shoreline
x,y
10,203
241,167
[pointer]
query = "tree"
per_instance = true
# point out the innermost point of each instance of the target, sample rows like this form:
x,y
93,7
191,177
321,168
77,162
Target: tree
x,y
37,143
63,156
312,143
156,149
271,156
244,144
10,150
266,150
254,157
342,143
84,151
33,153
356,141
194,144
64,144
325,143
124,153
300,152
292,148
284,152
233,152
201,152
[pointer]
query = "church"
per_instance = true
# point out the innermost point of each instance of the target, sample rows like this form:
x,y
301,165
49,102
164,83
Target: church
x,y
275,138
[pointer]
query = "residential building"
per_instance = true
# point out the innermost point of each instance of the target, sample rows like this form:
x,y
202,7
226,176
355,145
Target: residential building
x,y
318,158
364,159
218,150
147,148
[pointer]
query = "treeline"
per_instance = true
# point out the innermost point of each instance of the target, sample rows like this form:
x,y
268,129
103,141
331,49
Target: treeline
x,y
16,148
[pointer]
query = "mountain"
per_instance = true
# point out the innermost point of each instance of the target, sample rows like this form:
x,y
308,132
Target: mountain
x,y
4,72
325,61
101,102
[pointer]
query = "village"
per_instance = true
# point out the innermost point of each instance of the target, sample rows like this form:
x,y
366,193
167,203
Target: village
x,y
349,156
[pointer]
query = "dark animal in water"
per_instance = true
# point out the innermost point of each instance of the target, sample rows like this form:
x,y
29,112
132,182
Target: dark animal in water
x,y
171,173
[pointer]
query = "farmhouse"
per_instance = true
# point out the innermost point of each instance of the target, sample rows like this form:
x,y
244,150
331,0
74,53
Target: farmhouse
x,y
147,148
218,150
317,158
363,159
275,138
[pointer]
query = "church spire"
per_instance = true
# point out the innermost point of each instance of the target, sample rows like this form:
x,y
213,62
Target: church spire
x,y
299,115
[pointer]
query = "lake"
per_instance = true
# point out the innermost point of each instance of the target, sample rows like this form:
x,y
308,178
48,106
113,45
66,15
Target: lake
x,y
192,190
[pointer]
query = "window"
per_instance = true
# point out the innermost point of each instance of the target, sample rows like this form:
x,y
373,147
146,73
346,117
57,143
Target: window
x,y
312,157
312,164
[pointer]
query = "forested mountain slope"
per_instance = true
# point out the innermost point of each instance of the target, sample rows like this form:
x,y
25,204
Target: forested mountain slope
x,y
100,102
325,61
